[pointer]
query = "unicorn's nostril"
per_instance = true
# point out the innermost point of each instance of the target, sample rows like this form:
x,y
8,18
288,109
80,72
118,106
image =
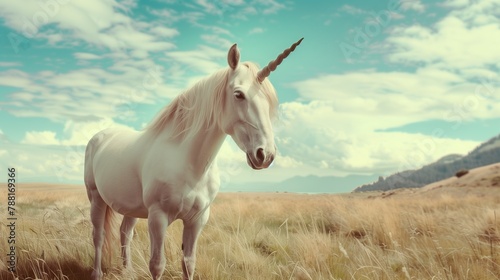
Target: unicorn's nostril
x,y
260,155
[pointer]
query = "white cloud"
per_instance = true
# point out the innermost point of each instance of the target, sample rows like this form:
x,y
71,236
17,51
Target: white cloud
x,y
100,23
164,32
239,8
203,59
479,12
334,143
216,40
464,38
18,79
249,10
271,6
456,3
415,5
74,133
256,30
89,94
285,162
3,137
79,133
86,56
397,98
215,29
40,138
352,10
234,2
209,7
46,163
396,16
170,16
9,64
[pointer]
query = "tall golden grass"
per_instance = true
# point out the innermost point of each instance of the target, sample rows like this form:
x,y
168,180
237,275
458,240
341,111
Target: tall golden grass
x,y
442,234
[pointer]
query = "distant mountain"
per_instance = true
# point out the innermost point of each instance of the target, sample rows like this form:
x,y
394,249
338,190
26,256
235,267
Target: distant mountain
x,y
303,184
485,154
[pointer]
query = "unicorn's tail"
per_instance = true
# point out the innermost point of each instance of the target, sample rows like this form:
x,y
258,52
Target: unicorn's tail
x,y
111,224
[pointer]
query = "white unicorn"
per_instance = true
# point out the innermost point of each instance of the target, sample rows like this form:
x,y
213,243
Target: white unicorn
x,y
167,171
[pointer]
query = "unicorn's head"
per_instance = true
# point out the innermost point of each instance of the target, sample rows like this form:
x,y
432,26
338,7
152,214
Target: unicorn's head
x,y
250,105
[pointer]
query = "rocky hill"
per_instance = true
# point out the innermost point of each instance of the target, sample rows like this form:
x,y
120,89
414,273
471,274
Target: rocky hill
x,y
485,154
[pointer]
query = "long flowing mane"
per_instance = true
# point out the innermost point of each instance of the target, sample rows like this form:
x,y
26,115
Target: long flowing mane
x,y
202,105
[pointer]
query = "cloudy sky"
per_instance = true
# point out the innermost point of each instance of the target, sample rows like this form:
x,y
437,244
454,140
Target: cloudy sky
x,y
375,87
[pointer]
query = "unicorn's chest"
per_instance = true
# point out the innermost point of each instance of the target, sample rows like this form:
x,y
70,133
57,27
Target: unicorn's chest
x,y
180,197
186,205
193,206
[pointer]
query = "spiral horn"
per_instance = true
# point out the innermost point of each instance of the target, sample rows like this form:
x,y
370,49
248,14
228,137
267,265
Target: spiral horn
x,y
264,72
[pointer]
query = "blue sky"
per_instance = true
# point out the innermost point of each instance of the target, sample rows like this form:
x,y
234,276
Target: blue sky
x,y
375,85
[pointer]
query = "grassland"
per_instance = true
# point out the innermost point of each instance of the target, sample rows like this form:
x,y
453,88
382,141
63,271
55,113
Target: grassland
x,y
444,233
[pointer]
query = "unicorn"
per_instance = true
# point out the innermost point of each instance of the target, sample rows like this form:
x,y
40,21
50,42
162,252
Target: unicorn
x,y
167,171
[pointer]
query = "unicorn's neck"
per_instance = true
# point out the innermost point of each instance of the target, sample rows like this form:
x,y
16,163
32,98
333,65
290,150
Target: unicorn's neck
x,y
204,141
203,149
192,121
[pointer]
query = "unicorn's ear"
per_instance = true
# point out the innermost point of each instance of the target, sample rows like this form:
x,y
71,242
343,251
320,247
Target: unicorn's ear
x,y
233,56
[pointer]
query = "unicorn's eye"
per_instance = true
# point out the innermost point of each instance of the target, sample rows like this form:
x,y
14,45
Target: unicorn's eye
x,y
239,95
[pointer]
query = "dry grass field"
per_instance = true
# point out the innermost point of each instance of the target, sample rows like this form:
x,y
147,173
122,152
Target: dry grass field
x,y
441,232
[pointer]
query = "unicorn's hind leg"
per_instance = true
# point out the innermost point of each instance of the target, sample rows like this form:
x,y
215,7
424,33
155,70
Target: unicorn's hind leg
x,y
97,216
98,207
126,235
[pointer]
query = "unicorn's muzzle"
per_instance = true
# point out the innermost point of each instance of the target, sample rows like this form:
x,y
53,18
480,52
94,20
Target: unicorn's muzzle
x,y
260,159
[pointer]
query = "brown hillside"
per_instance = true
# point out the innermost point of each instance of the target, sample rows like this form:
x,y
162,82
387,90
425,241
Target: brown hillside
x,y
480,182
486,176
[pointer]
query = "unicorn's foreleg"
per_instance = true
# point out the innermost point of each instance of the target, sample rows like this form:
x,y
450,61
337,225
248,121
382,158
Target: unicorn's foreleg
x,y
157,223
126,235
97,215
192,230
